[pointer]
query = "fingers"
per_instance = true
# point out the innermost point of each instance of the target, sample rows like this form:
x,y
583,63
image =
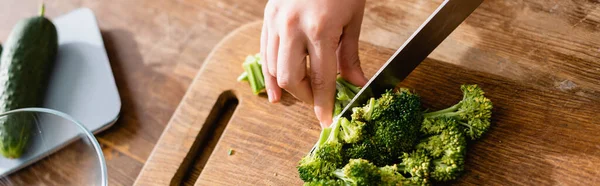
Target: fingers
x,y
291,67
272,52
273,90
323,74
347,53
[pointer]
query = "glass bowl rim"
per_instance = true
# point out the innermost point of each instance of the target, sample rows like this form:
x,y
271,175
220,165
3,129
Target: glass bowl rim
x,y
89,135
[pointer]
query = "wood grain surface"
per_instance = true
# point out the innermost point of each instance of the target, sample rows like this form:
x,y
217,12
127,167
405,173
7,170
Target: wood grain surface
x,y
538,137
157,47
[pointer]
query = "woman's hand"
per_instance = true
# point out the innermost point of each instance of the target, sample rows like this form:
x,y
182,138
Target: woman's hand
x,y
325,30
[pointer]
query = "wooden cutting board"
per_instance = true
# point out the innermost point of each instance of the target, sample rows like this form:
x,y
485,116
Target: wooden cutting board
x,y
539,136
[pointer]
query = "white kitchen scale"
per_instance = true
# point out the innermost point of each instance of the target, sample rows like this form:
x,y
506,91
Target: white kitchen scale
x,y
82,85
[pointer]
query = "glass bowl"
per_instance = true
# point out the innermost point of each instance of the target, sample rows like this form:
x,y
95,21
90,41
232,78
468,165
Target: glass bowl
x,y
60,151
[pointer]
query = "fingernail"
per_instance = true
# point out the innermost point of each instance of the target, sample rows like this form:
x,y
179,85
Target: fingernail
x,y
270,95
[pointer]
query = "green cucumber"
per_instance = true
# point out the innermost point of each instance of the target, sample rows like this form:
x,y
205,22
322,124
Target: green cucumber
x,y
25,66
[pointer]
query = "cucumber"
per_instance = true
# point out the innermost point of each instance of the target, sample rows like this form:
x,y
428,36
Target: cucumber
x,y
25,66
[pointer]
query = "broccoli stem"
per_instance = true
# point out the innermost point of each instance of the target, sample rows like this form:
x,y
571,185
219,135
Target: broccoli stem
x,y
243,76
348,130
325,132
335,131
339,173
367,115
255,76
444,112
337,109
350,86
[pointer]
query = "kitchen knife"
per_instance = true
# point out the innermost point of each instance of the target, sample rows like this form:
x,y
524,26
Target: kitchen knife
x,y
418,46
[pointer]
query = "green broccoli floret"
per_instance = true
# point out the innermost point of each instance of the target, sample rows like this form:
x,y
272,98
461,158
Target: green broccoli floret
x,y
325,182
324,158
253,74
473,112
447,146
344,94
359,172
352,131
364,113
390,176
396,119
392,127
416,164
414,170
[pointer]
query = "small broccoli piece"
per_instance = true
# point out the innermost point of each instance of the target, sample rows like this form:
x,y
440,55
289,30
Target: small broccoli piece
x,y
392,127
337,108
473,112
253,74
359,172
243,76
447,146
416,164
365,149
352,132
348,85
364,113
396,120
325,182
390,176
414,170
344,94
325,157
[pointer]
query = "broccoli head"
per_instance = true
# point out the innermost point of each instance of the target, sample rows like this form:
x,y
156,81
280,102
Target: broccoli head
x,y
359,172
325,157
390,176
364,113
392,127
352,131
325,182
417,165
447,146
396,120
473,112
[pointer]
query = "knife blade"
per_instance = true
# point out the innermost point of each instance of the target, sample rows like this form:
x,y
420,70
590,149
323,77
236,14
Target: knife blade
x,y
419,45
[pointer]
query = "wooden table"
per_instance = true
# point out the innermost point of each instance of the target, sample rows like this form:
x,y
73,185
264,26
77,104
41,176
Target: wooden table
x,y
156,48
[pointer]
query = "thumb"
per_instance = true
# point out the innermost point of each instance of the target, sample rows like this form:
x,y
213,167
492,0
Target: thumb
x,y
347,54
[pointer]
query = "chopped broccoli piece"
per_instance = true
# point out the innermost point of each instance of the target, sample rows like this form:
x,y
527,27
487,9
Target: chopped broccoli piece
x,y
325,182
447,148
359,172
416,164
344,94
253,74
352,131
473,112
393,122
364,113
324,158
390,176
243,76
